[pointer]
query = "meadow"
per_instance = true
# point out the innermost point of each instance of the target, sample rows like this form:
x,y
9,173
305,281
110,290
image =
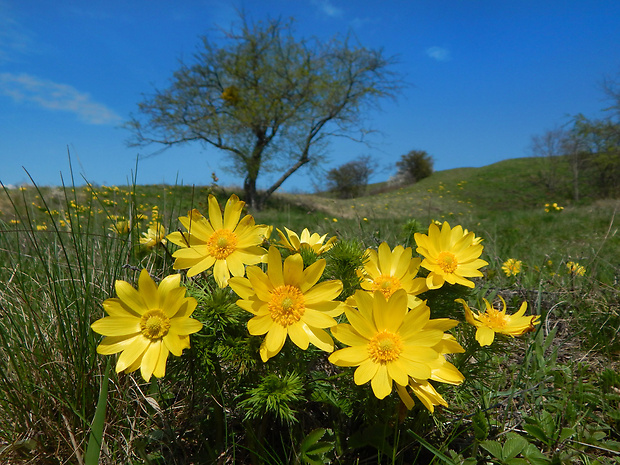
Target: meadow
x,y
548,396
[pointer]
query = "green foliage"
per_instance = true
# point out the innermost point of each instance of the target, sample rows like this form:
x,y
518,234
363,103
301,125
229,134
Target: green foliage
x,y
312,450
276,397
344,260
350,179
414,166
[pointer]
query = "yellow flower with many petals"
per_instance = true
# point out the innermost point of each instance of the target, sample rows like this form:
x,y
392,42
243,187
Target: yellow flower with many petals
x,y
121,227
575,269
387,271
495,321
450,255
387,342
512,267
313,241
147,324
287,301
154,236
226,244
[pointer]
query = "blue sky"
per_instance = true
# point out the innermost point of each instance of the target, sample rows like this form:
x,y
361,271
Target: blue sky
x,y
484,76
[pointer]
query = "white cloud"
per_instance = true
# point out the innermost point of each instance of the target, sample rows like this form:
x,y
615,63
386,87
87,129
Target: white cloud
x,y
56,97
14,38
438,53
329,8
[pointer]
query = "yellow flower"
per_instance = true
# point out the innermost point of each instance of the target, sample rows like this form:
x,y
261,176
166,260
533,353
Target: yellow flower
x,y
227,245
146,324
512,267
295,242
575,269
121,227
154,235
387,271
387,342
450,255
287,301
494,321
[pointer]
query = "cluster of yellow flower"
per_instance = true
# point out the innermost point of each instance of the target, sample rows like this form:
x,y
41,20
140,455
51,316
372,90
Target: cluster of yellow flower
x,y
553,208
388,334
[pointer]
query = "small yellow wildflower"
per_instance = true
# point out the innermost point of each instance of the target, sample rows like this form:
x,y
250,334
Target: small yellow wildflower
x,y
387,271
575,269
450,255
494,321
155,235
121,227
512,267
295,242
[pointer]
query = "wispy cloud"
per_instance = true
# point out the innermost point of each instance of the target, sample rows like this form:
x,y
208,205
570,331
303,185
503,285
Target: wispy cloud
x,y
15,39
438,53
329,8
56,97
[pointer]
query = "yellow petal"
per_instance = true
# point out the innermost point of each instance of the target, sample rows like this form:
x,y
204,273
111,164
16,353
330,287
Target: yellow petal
x,y
232,212
215,214
160,369
292,270
317,319
398,372
349,356
260,325
242,287
148,290
485,335
320,338
130,297
220,273
115,344
347,335
149,359
274,268
381,383
327,290
312,274
117,326
131,353
184,326
116,307
298,335
275,338
365,372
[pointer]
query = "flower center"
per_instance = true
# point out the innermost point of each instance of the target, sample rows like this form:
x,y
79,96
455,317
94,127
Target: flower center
x,y
385,347
154,324
386,284
447,262
286,305
494,319
222,243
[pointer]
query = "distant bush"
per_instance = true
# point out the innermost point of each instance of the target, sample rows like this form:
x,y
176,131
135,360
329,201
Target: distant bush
x,y
350,180
414,166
